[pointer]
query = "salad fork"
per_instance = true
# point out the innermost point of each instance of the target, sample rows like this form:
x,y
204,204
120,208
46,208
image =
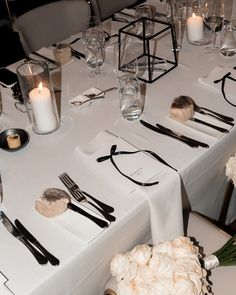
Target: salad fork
x,y
79,196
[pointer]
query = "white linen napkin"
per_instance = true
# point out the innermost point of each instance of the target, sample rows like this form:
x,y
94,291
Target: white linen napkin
x,y
80,226
139,166
201,131
217,73
164,199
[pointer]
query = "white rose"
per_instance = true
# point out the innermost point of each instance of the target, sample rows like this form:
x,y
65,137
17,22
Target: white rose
x,y
183,247
231,169
120,266
162,265
189,270
184,286
188,265
141,254
194,277
133,269
164,247
145,274
126,287
163,286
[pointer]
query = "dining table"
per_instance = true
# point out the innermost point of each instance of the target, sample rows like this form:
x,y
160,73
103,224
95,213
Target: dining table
x,y
195,181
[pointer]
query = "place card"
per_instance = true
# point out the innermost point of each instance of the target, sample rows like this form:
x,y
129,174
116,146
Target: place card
x,y
82,100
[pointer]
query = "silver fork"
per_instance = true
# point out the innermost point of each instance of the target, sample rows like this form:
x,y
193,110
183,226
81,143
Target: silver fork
x,y
79,196
93,96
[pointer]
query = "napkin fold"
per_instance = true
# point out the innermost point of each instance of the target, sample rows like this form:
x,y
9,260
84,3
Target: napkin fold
x,y
80,226
218,73
4,290
82,100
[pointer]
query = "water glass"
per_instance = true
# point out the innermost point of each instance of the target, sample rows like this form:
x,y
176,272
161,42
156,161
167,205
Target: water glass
x,y
131,100
146,12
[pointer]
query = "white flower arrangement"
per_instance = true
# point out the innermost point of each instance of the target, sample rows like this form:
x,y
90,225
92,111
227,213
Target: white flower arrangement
x,y
168,268
231,169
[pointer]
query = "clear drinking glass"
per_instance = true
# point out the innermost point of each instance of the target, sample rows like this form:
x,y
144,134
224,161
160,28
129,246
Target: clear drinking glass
x,y
94,51
214,19
144,11
175,16
228,44
131,100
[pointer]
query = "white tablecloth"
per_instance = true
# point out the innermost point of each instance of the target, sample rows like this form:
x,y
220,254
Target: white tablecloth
x,y
84,249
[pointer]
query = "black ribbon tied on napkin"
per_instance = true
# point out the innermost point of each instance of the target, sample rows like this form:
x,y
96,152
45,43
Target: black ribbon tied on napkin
x,y
113,153
222,80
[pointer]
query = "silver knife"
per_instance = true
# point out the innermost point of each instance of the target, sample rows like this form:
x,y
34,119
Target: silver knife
x,y
15,232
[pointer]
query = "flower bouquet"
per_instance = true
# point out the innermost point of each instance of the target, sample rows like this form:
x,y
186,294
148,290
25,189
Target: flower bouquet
x,y
168,268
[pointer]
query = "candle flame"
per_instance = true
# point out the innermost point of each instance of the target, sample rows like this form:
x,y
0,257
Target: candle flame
x,y
40,87
193,15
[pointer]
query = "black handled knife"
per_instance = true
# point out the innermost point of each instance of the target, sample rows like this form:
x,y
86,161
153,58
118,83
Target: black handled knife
x,y
191,142
52,259
100,222
16,233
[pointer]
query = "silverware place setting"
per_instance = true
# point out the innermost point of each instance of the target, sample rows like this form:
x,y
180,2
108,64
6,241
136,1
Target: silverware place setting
x,y
24,236
82,196
168,132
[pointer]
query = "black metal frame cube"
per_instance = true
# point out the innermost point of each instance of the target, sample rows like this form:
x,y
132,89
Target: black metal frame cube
x,y
157,63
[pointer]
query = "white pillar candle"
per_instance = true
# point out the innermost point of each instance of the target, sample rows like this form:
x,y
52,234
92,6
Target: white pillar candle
x,y
44,116
194,28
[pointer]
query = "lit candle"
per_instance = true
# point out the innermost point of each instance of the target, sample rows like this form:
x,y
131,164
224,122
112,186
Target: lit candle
x,y
44,116
195,28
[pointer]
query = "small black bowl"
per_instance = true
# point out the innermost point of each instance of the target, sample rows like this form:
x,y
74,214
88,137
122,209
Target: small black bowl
x,y
24,137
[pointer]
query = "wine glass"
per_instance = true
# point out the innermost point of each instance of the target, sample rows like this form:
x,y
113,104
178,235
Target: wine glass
x,y
94,51
213,18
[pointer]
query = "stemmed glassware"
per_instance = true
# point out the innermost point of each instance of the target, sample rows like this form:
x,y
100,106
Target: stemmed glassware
x,y
214,19
94,42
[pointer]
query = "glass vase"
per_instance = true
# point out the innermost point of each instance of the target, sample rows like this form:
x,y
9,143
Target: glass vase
x,y
38,94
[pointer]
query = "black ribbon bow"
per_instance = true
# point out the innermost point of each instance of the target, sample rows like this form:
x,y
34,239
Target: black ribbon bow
x,y
222,80
113,153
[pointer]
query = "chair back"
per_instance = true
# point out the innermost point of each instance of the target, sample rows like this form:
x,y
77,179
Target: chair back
x,y
51,23
106,8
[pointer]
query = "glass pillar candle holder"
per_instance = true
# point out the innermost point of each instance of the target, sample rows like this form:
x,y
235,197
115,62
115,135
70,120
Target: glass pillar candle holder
x,y
197,32
38,94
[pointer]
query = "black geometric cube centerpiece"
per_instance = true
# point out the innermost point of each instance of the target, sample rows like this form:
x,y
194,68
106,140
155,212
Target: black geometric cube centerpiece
x,y
147,49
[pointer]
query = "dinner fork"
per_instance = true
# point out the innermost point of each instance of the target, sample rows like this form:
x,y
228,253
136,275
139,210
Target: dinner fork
x,y
79,196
